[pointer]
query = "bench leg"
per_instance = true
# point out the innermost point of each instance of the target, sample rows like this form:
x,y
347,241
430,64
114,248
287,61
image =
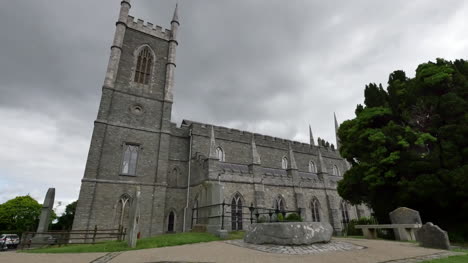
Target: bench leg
x,y
404,234
369,233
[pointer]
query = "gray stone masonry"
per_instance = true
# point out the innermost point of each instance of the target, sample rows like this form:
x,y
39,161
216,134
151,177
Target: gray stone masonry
x,y
432,236
137,114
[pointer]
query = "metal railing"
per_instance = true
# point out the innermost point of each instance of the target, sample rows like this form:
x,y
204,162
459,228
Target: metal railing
x,y
251,214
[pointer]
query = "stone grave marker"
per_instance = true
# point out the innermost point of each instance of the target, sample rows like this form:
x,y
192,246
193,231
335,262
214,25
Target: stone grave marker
x,y
404,215
432,236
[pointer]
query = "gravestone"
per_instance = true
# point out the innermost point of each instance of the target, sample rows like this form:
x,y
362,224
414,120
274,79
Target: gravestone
x,y
134,219
44,219
432,236
404,215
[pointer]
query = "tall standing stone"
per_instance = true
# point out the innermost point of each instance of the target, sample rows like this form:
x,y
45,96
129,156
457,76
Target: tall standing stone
x,y
134,219
44,219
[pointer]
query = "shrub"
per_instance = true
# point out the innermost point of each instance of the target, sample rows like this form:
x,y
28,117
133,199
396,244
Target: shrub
x,y
293,217
280,217
262,219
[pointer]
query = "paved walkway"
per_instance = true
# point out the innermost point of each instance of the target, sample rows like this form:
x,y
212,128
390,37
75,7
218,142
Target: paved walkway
x,y
221,251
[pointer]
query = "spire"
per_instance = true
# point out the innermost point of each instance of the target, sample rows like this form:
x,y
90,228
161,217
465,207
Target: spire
x,y
292,160
213,154
321,168
311,137
171,58
175,17
338,144
255,155
116,48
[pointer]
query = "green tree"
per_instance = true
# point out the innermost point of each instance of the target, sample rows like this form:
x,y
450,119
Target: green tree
x,y
408,146
65,221
20,214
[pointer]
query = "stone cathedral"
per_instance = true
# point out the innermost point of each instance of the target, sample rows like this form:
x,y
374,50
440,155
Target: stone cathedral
x,y
181,167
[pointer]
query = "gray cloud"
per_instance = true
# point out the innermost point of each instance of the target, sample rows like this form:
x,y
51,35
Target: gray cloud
x,y
265,66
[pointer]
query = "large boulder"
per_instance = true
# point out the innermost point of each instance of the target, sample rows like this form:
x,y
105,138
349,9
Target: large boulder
x,y
430,235
289,233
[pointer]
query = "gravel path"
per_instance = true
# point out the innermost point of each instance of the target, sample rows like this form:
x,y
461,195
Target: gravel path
x,y
374,251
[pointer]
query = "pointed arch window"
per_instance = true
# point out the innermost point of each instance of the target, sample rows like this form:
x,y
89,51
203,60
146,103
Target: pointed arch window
x,y
284,163
130,157
195,212
220,154
344,212
124,204
315,207
144,66
236,212
312,167
279,204
336,171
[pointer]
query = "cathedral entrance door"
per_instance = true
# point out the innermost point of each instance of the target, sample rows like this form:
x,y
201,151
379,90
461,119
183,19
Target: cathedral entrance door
x,y
170,222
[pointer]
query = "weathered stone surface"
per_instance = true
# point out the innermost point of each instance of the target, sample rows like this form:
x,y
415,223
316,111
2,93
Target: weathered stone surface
x,y
430,235
44,219
134,219
405,215
289,233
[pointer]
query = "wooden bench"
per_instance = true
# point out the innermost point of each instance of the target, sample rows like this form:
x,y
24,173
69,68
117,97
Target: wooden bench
x,y
404,232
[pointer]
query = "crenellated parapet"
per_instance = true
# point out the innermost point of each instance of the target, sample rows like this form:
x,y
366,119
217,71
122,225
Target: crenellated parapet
x,y
235,135
148,28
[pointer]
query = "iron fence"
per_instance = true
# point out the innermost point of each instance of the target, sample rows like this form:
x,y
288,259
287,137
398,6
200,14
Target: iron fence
x,y
238,214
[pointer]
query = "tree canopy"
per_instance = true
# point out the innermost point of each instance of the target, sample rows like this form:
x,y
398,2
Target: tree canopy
x,y
408,146
65,221
20,214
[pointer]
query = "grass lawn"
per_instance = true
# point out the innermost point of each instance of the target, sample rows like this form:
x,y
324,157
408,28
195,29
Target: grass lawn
x,y
452,259
165,240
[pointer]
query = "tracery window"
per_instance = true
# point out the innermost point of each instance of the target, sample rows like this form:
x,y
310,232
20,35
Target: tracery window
x,y
312,167
284,163
236,212
130,157
344,212
124,203
220,154
279,204
143,66
315,206
195,212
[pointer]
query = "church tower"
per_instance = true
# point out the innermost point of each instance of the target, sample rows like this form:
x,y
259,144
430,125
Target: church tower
x,y
131,136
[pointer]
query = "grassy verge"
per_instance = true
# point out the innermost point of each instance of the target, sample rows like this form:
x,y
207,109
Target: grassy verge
x,y
150,242
452,259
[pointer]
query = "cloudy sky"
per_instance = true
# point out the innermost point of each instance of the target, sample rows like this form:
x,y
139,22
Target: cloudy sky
x,y
270,67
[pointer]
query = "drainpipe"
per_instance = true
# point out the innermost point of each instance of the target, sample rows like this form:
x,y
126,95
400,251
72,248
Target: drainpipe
x,y
188,180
